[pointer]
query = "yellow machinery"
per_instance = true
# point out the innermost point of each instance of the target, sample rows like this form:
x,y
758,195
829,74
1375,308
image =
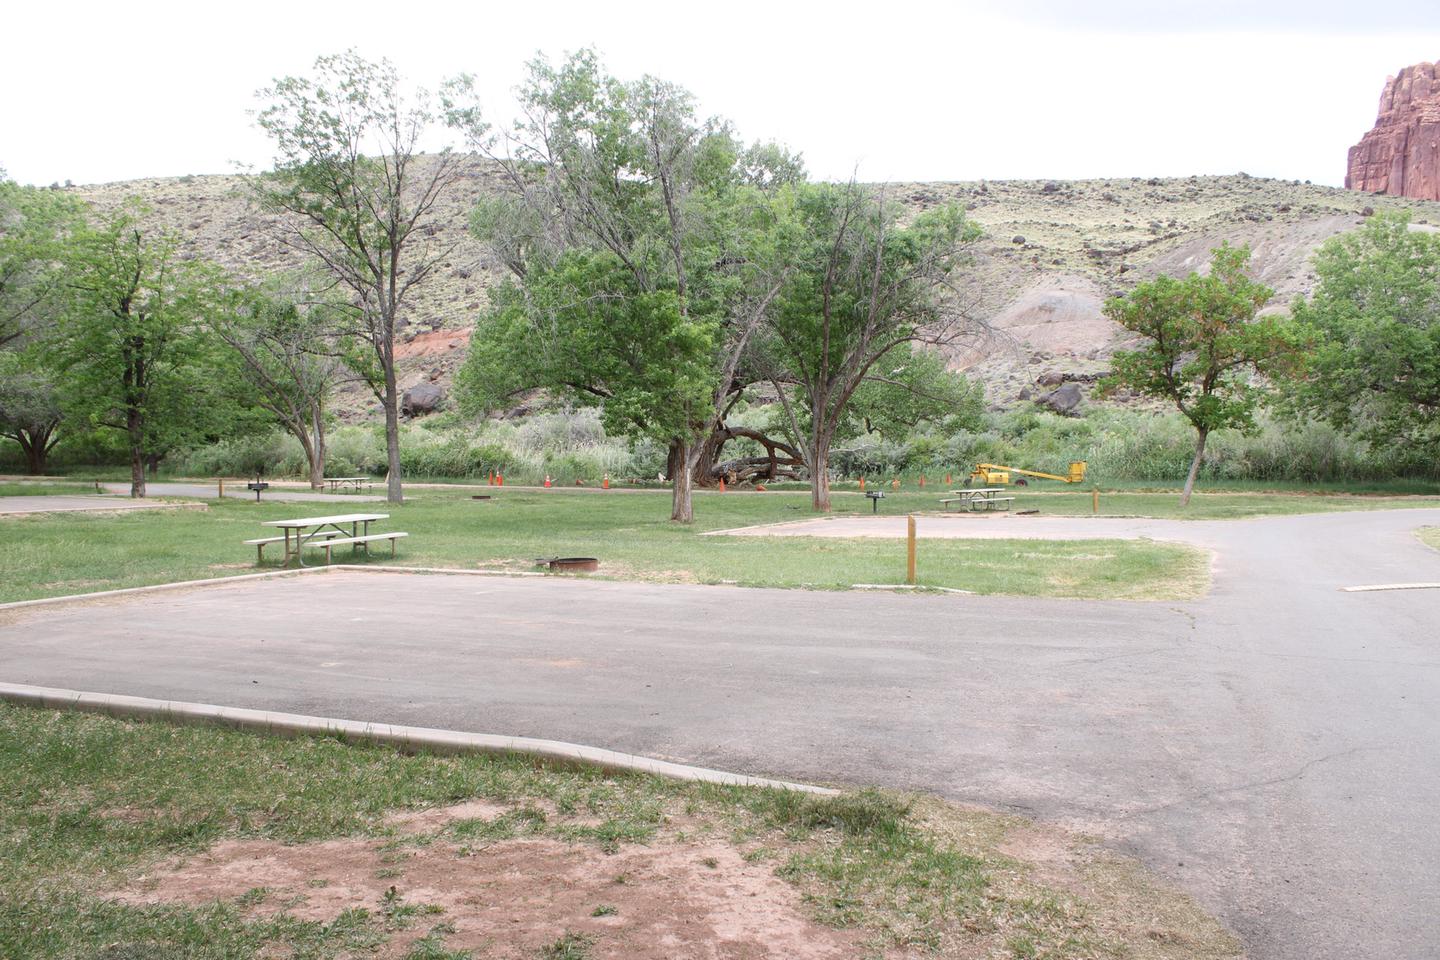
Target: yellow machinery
x,y
994,473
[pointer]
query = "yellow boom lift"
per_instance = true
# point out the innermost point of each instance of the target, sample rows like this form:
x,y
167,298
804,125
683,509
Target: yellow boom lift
x,y
995,473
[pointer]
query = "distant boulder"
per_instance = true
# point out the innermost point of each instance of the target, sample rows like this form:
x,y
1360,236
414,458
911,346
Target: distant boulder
x,y
422,399
1064,400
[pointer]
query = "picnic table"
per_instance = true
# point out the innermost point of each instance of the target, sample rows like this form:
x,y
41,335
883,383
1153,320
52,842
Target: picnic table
x,y
979,498
326,532
354,483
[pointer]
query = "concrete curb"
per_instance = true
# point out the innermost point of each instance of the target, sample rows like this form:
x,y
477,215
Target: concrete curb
x,y
405,738
1378,587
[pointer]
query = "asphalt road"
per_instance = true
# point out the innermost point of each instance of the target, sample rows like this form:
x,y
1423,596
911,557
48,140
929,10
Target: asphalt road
x,y
1271,748
74,504
236,489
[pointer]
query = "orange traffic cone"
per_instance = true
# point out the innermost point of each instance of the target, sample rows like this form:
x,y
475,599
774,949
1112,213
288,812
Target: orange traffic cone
x,y
605,484
895,484
862,484
947,480
759,488
547,479
922,481
499,479
722,484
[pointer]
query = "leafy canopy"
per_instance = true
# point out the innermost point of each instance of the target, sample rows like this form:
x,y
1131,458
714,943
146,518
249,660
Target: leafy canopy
x,y
1374,324
1203,342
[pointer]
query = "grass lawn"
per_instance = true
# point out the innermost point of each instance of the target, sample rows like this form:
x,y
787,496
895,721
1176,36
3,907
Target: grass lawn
x,y
74,553
1431,536
100,818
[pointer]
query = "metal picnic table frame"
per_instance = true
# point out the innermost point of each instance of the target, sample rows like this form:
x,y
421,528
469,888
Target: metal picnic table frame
x,y
970,496
353,482
321,524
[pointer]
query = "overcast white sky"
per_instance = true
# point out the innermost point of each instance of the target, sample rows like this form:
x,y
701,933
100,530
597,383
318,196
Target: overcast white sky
x,y
896,90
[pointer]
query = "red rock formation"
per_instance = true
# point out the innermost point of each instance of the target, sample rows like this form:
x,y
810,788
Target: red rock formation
x,y
1401,156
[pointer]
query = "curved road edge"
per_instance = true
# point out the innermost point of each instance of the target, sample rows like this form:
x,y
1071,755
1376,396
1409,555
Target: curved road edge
x,y
427,738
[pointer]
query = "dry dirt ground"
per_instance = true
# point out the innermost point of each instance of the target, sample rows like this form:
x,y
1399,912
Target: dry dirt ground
x,y
688,893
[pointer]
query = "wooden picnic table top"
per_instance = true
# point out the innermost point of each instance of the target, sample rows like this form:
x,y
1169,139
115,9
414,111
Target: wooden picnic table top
x,y
974,491
322,521
344,479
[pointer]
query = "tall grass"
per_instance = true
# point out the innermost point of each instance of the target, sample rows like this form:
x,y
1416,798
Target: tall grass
x,y
1120,446
1128,445
564,446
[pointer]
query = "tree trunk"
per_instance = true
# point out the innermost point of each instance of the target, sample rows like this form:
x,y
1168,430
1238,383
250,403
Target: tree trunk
x,y
36,444
34,458
312,441
1194,467
135,431
682,509
393,492
820,476
317,448
152,462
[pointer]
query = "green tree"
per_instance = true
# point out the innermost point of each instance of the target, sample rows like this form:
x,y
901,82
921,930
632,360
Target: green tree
x,y
288,360
1374,325
863,287
30,412
1203,344
130,344
358,198
912,389
605,177
33,225
586,328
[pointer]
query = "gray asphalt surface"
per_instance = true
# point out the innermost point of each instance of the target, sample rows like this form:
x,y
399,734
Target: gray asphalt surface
x,y
236,489
1271,748
72,504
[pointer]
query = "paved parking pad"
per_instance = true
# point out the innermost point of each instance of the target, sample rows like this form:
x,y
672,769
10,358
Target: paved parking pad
x,y
1269,748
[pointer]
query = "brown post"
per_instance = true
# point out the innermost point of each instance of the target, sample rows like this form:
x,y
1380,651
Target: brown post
x,y
1095,501
222,488
910,550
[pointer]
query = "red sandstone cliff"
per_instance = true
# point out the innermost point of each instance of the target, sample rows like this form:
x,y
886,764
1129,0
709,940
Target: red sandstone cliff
x,y
1401,155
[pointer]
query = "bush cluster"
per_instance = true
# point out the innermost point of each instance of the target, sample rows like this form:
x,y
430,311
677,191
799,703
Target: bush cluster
x,y
1120,445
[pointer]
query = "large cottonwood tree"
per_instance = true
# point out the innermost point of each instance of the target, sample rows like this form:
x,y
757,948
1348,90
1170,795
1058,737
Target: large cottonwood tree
x,y
358,198
624,210
130,344
866,288
1373,323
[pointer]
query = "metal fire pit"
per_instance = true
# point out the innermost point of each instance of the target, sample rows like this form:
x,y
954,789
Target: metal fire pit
x,y
570,564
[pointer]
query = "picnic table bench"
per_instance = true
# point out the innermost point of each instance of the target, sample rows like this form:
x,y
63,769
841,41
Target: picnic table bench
x,y
979,498
326,532
354,483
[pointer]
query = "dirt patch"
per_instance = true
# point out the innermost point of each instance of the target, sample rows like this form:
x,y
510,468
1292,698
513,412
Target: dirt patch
x,y
508,899
434,343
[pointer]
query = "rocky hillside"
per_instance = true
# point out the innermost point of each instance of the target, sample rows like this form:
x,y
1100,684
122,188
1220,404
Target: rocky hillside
x,y
1053,251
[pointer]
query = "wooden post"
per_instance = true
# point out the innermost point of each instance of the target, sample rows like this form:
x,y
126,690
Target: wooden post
x,y
221,482
1095,501
910,550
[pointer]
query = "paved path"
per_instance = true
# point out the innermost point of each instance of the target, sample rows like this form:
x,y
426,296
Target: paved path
x,y
236,489
69,504
1272,748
